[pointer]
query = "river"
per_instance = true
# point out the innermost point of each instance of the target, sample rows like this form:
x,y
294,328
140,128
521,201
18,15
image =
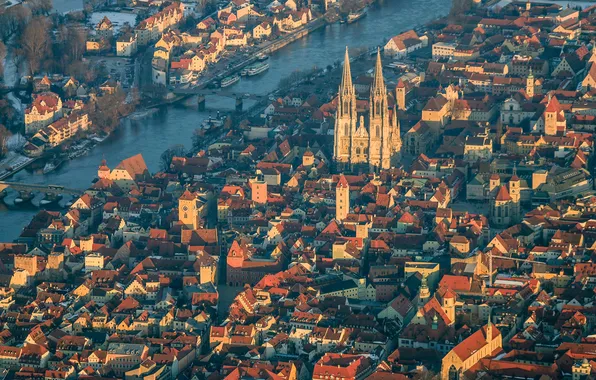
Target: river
x,y
174,124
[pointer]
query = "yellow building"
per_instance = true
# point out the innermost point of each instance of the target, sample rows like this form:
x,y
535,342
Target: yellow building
x,y
64,129
483,343
191,210
129,171
45,109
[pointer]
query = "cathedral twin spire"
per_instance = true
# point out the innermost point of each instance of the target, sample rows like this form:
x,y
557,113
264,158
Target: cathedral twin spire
x,y
355,143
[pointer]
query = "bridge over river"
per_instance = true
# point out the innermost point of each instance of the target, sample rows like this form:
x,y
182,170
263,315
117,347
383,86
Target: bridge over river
x,y
52,189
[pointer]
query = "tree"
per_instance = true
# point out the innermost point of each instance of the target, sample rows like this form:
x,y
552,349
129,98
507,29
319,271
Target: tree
x,y
108,111
7,112
36,43
168,155
75,44
13,20
2,56
460,7
40,7
4,135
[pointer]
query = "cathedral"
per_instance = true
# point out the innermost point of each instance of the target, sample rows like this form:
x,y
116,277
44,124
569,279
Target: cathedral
x,y
369,139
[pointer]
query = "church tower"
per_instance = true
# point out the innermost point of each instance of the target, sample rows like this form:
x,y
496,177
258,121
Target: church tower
x,y
530,85
103,172
424,294
189,210
514,192
345,118
342,198
400,94
379,127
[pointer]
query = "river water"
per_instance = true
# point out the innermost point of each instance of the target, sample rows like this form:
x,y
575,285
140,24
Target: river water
x,y
175,124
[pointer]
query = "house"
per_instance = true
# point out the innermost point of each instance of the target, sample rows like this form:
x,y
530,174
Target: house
x,y
45,109
129,172
126,45
64,129
123,357
263,30
104,29
405,43
443,50
151,28
342,366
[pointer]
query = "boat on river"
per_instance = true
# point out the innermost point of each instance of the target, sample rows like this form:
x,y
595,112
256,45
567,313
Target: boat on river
x,y
257,69
52,165
355,16
226,82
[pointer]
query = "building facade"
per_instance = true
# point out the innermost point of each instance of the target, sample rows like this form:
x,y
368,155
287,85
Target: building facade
x,y
375,143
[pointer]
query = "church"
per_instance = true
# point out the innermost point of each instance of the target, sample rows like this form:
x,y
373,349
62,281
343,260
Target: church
x,y
369,139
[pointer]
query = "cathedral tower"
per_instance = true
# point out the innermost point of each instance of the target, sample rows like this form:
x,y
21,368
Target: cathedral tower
x,y
375,144
379,127
345,118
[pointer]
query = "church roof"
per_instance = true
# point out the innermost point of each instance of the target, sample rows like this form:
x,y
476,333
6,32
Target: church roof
x,y
503,195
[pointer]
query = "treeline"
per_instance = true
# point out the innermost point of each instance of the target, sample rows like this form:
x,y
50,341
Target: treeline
x,y
46,43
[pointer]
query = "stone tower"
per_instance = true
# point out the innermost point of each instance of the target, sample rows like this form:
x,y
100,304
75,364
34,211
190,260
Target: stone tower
x,y
530,85
514,192
188,210
342,198
400,95
424,291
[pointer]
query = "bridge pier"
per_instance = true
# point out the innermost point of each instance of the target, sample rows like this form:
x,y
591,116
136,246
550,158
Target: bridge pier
x,y
201,102
239,103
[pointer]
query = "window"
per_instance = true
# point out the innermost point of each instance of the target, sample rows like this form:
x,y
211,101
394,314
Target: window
x,y
346,130
358,151
378,132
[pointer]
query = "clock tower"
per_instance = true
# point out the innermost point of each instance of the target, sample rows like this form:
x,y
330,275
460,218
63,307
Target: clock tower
x,y
189,207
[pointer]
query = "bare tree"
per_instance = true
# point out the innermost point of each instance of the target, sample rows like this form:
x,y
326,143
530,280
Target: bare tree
x,y
4,135
13,21
40,7
7,112
75,44
2,56
36,43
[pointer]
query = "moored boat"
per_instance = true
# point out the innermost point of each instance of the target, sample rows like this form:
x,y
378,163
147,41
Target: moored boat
x,y
355,16
230,80
257,69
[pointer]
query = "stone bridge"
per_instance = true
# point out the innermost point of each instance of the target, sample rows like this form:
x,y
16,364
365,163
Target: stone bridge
x,y
52,189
